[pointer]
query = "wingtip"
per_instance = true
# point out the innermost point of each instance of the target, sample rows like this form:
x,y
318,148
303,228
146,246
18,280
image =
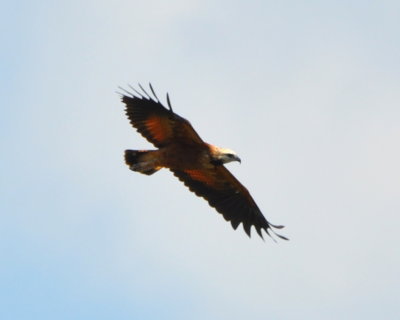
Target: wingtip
x,y
273,226
279,235
247,229
276,226
282,237
271,233
153,91
125,93
145,92
169,103
258,229
235,224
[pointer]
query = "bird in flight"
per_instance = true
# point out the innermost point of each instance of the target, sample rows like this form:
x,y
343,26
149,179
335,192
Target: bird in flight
x,y
199,165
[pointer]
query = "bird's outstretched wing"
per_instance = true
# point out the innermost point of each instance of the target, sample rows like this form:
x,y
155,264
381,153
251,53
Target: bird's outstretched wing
x,y
156,123
228,196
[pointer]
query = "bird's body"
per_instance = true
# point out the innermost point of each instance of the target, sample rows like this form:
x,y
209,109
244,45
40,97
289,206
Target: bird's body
x,y
199,165
178,156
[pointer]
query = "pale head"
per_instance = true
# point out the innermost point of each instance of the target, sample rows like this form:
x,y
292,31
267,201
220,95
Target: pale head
x,y
225,155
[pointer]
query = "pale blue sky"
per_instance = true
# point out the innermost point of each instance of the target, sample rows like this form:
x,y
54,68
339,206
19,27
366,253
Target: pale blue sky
x,y
307,93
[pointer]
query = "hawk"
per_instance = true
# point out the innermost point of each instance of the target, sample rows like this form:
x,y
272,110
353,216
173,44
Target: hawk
x,y
199,165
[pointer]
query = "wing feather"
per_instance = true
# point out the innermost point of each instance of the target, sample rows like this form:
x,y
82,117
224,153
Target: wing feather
x,y
156,123
228,196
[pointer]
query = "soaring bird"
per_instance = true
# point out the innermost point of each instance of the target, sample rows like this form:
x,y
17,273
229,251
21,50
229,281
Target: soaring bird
x,y
199,165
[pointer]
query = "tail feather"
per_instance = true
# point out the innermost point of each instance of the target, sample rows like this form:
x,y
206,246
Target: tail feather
x,y
141,161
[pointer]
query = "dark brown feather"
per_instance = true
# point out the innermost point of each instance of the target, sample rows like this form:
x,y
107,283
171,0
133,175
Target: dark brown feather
x,y
228,196
157,124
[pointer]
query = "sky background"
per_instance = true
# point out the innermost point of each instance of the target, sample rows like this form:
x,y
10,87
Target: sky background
x,y
306,92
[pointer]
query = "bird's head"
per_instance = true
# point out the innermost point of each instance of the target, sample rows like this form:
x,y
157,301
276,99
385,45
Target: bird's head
x,y
226,155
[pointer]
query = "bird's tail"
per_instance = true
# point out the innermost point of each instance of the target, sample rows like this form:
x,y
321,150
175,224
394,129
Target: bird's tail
x,y
143,161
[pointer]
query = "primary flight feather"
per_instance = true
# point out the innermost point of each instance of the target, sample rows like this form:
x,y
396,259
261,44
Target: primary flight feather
x,y
199,165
